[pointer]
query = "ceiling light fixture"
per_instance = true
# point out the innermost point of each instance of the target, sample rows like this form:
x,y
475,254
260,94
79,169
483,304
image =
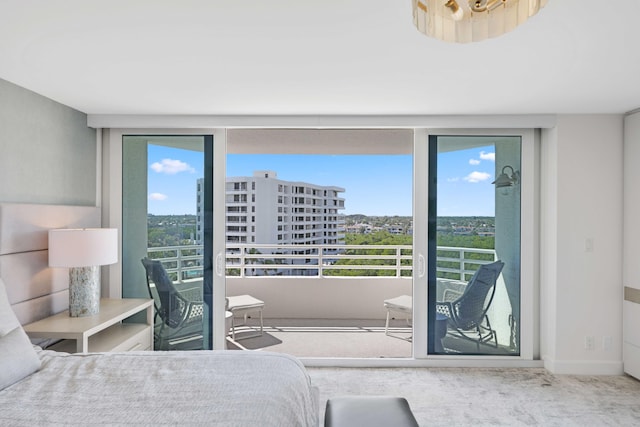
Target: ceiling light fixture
x,y
465,21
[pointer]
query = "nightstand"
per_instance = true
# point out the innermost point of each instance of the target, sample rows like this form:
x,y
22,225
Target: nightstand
x,y
102,332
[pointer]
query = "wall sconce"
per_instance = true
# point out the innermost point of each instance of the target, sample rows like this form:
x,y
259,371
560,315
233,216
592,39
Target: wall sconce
x,y
505,181
83,251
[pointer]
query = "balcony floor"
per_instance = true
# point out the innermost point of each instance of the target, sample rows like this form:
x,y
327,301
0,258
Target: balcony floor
x,y
326,338
342,338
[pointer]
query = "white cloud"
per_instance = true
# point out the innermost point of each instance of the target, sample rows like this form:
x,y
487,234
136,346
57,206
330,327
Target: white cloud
x,y
158,196
474,162
488,156
475,177
171,167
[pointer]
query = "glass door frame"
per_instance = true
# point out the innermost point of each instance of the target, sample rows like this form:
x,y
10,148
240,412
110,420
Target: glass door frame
x,y
110,145
110,150
529,247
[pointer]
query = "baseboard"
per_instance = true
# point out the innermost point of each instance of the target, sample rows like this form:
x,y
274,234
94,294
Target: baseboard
x,y
436,362
584,367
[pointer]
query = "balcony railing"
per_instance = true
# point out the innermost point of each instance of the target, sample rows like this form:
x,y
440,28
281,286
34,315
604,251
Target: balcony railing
x,y
255,260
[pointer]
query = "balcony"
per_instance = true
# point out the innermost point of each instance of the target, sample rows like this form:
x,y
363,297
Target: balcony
x,y
315,307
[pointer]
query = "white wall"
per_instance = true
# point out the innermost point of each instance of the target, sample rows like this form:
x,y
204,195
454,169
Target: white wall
x,y
581,244
326,298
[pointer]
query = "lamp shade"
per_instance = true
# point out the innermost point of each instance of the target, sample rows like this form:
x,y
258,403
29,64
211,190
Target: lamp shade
x,y
83,247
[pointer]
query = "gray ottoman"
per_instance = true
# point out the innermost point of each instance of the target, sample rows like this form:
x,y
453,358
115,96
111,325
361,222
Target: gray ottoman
x,y
369,411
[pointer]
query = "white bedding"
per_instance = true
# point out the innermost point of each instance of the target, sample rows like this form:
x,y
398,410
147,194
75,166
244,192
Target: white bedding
x,y
221,388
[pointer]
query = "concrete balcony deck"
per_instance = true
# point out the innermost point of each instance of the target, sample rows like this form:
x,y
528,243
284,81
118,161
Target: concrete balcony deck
x,y
315,338
341,338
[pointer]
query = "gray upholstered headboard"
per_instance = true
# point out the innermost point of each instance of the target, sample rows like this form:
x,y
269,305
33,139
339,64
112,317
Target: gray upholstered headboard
x,y
35,290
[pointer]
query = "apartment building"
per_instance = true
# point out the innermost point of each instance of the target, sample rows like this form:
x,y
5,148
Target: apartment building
x,y
262,209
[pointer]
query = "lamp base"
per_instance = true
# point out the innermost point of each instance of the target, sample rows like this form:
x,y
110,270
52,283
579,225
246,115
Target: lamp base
x,y
84,291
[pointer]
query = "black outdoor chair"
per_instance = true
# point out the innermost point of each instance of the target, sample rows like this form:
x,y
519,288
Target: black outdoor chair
x,y
180,312
467,313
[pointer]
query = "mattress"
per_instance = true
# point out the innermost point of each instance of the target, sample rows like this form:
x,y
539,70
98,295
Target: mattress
x,y
220,388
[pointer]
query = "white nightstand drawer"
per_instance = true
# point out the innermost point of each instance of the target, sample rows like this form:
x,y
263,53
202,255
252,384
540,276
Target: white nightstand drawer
x,y
139,338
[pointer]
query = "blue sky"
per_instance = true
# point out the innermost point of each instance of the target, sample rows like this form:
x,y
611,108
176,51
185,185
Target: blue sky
x,y
464,182
374,184
172,180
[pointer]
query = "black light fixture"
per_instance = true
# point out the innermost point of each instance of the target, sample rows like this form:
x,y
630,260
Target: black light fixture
x,y
505,180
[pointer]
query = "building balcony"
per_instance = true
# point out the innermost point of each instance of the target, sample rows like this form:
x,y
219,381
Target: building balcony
x,y
316,307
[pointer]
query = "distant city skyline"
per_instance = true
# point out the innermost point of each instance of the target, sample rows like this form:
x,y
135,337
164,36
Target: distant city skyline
x,y
376,185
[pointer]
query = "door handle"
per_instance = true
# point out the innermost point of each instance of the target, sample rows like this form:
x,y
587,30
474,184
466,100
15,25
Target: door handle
x,y
421,266
219,264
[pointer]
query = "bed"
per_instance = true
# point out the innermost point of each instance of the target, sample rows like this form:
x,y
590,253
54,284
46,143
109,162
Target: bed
x,y
43,387
221,388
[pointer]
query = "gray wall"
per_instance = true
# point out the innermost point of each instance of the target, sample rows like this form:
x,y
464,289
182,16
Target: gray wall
x,y
47,152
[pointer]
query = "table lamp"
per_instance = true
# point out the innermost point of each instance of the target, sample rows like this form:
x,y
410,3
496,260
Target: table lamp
x,y
83,251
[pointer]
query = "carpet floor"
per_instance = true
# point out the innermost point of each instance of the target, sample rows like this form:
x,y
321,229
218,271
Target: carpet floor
x,y
491,397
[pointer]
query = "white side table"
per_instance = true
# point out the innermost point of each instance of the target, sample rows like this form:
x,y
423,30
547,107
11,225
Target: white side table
x,y
242,305
102,332
402,304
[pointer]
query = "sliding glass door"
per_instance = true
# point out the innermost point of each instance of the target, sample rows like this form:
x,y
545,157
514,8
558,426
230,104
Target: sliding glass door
x,y
167,225
474,203
474,245
473,197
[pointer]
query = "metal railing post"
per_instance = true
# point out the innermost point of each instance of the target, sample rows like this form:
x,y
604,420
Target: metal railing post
x,y
321,261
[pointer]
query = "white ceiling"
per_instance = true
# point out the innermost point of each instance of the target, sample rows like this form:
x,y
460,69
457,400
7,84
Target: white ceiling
x,y
235,57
